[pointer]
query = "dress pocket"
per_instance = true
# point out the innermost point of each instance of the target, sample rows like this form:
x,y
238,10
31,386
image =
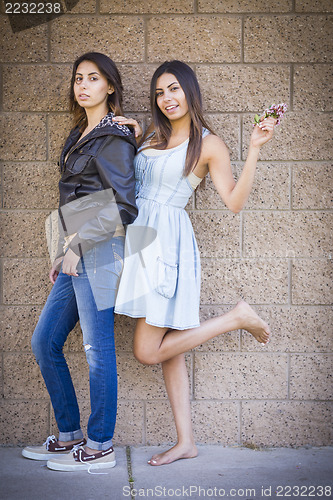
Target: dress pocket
x,y
166,276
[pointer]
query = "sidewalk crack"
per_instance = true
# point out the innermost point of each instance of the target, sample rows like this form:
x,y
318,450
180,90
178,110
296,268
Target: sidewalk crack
x,y
129,469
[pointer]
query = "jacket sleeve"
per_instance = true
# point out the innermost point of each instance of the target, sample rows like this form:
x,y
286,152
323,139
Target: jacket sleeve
x,y
114,164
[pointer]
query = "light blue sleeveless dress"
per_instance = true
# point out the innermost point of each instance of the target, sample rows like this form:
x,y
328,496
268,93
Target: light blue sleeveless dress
x,y
160,280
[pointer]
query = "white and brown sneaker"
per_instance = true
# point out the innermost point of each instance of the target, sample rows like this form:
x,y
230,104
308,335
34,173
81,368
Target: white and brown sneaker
x,y
80,460
50,449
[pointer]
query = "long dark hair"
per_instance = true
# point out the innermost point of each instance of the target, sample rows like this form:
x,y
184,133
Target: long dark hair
x,y
108,69
189,83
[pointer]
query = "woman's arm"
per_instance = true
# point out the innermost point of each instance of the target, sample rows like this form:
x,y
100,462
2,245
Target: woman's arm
x,y
215,154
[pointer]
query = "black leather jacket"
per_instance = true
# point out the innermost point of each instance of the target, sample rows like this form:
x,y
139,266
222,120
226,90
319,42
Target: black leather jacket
x,y
97,186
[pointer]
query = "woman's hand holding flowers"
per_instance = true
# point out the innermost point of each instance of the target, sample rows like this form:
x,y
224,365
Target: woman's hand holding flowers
x,y
264,124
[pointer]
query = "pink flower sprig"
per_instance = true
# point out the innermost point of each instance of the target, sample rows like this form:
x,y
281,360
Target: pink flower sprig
x,y
276,111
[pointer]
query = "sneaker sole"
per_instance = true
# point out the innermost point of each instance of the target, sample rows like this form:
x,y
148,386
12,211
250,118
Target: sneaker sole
x,y
79,466
40,456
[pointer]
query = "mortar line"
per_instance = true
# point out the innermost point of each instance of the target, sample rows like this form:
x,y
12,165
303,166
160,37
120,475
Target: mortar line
x,y
291,87
288,375
48,33
290,263
145,38
1,87
2,176
242,44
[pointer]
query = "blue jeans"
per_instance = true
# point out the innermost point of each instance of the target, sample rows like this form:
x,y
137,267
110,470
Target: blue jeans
x,y
90,299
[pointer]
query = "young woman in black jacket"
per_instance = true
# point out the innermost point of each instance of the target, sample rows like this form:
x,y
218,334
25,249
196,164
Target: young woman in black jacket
x,y
97,199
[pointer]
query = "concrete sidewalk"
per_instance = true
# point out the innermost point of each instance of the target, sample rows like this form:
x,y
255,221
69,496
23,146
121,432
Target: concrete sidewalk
x,y
217,472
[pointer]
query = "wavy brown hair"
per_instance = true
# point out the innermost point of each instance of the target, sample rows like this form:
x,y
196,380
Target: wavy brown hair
x,y
189,83
110,71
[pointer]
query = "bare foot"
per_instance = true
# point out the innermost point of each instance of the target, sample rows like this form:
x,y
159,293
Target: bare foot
x,y
252,323
175,453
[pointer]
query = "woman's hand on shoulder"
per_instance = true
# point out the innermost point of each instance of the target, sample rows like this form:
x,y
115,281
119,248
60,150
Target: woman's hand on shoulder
x,y
122,120
263,132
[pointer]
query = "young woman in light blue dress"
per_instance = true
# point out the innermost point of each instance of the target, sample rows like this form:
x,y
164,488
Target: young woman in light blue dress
x,y
160,283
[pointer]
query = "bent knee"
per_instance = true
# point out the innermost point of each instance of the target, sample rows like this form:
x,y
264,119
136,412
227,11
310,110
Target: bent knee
x,y
144,357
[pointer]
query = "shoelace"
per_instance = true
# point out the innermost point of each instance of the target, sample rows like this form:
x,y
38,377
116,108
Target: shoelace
x,y
75,450
50,439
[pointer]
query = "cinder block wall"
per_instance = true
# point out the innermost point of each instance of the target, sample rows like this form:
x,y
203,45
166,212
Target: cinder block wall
x,y
276,253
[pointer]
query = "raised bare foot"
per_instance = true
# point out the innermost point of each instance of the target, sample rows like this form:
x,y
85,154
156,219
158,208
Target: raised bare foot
x,y
177,452
252,323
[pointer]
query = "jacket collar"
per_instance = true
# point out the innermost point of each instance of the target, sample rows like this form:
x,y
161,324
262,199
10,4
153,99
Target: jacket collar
x,y
105,127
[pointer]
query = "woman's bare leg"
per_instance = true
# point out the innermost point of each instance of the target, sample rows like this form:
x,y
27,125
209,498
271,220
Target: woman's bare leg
x,y
177,386
154,345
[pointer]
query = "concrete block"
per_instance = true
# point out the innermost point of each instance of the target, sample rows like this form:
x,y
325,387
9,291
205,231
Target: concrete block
x,y
215,422
287,234
82,7
294,140
58,130
22,377
22,234
145,7
137,381
295,329
313,6
226,342
311,377
23,46
312,282
30,185
187,35
23,422
136,81
130,423
74,342
17,324
227,126
313,89
226,281
228,6
45,87
231,88
124,327
160,427
270,189
286,423
223,228
25,281
312,186
240,376
287,38
118,35
23,137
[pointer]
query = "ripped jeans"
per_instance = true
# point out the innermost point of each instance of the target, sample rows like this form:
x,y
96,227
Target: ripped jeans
x,y
88,298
